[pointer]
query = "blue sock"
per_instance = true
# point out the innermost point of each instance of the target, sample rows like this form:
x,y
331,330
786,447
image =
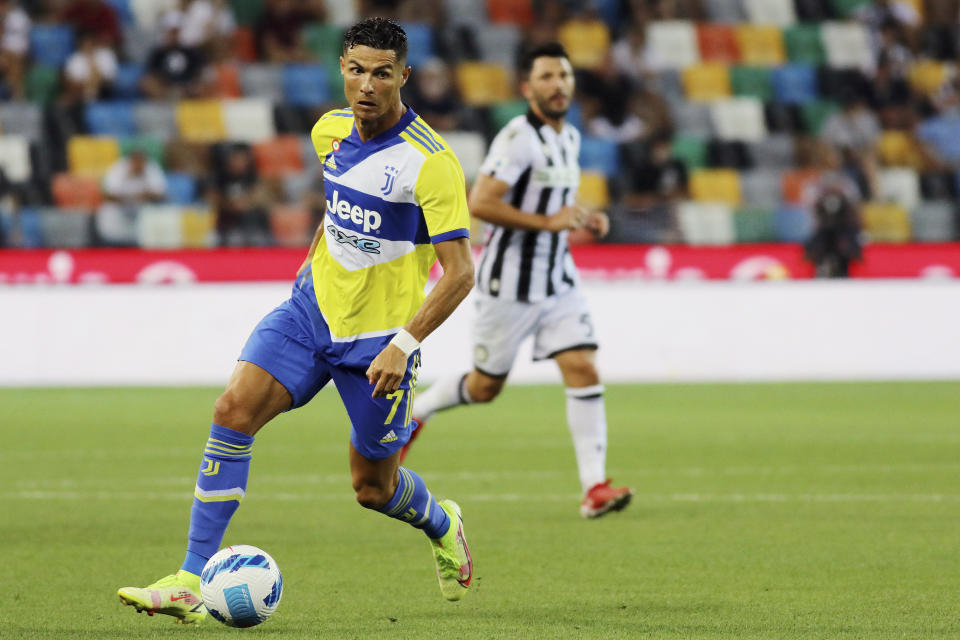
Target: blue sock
x,y
221,484
414,504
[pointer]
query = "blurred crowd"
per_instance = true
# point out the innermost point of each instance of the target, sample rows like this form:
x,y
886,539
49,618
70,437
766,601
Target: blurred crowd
x,y
86,85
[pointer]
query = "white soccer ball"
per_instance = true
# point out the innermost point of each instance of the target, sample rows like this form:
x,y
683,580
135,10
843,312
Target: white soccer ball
x,y
241,585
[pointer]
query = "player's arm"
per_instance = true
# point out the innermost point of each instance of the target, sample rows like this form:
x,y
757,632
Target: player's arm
x,y
390,365
486,202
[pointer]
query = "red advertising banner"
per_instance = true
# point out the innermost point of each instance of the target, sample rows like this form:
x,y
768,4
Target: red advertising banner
x,y
644,262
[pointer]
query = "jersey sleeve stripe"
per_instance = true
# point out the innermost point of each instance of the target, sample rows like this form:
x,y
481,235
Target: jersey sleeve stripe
x,y
419,138
424,129
450,235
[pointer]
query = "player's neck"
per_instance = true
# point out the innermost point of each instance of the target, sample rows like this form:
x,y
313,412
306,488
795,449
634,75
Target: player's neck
x,y
368,129
554,123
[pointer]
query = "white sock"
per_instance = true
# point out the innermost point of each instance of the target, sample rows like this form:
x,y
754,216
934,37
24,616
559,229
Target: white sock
x,y
442,394
587,418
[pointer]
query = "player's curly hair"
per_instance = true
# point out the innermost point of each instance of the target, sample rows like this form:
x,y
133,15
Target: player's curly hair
x,y
377,33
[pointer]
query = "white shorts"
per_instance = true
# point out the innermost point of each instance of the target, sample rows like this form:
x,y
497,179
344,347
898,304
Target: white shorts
x,y
559,323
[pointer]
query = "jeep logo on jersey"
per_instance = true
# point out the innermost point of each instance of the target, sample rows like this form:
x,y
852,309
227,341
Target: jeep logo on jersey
x,y
358,215
367,245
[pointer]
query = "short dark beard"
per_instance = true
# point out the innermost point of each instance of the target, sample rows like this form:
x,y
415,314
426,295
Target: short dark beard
x,y
553,114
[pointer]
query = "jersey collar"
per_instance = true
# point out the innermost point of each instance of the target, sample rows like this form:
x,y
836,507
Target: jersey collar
x,y
408,116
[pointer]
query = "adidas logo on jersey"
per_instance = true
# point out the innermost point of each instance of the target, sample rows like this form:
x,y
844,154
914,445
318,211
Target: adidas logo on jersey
x,y
390,437
346,211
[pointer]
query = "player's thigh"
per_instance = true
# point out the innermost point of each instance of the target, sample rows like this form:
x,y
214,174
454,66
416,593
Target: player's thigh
x,y
565,325
284,345
499,328
379,426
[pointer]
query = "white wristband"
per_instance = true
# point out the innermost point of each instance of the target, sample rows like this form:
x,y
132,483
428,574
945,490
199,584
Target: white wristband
x,y
406,342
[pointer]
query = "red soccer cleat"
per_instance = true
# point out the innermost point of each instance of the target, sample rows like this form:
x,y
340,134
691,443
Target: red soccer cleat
x,y
418,426
601,498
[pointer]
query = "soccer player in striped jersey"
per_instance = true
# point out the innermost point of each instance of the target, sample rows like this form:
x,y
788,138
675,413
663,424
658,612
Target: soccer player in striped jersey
x,y
527,284
396,203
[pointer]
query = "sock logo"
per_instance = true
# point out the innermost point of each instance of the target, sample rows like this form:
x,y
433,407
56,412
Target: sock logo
x,y
212,468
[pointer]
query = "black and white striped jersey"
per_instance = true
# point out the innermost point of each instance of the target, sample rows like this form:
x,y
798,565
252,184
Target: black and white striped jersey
x,y
543,172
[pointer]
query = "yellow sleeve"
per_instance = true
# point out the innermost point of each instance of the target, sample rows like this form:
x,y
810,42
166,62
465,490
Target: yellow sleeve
x,y
333,125
441,192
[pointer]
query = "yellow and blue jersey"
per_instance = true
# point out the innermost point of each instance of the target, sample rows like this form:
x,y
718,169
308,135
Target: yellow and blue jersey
x,y
389,199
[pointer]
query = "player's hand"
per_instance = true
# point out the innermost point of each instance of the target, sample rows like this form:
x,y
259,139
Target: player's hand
x,y
387,371
598,224
568,218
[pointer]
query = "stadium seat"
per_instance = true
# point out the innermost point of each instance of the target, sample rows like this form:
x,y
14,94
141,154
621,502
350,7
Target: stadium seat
x,y
499,43
691,118
297,185
600,155
777,12
51,44
794,84
201,121
673,43
717,43
706,223
729,154
198,228
110,118
594,192
467,13
279,157
91,156
900,185
760,45
244,46
783,118
813,10
76,192
934,221
160,226
885,222
248,120
247,12
152,147
324,41
777,151
761,187
420,47
137,43
753,224
899,149
587,41
66,228
704,82
147,13
470,148
792,224
124,11
846,8
716,185
127,83
797,184
938,185
305,85
21,118
156,119
927,76
42,83
292,225
15,157
226,83
751,82
847,45
517,12
181,188
815,115
730,11
943,134
739,119
804,44
482,84
503,112
263,81
690,150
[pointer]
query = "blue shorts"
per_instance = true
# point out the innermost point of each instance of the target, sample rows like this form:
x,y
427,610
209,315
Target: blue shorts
x,y
292,343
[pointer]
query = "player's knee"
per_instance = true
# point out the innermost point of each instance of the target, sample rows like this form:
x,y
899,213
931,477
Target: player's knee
x,y
371,496
229,411
580,372
484,389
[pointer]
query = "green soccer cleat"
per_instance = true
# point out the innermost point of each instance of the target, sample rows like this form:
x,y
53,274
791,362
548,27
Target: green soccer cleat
x,y
177,595
454,564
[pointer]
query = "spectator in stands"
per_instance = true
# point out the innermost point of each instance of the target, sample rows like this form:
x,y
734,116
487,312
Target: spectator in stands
x,y
660,179
432,94
876,13
94,16
632,57
890,96
279,31
241,200
607,105
207,25
9,203
835,242
14,45
893,48
854,127
90,71
173,70
128,184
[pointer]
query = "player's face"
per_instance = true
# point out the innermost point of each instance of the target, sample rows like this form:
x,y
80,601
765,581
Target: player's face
x,y
550,86
371,81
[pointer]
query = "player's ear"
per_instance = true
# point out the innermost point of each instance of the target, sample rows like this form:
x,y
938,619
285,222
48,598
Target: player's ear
x,y
341,67
525,89
404,76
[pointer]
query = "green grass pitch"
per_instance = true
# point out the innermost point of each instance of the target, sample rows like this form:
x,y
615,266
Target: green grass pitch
x,y
762,511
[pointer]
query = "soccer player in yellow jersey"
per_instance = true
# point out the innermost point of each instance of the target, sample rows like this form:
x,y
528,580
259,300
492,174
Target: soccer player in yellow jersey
x,y
396,202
